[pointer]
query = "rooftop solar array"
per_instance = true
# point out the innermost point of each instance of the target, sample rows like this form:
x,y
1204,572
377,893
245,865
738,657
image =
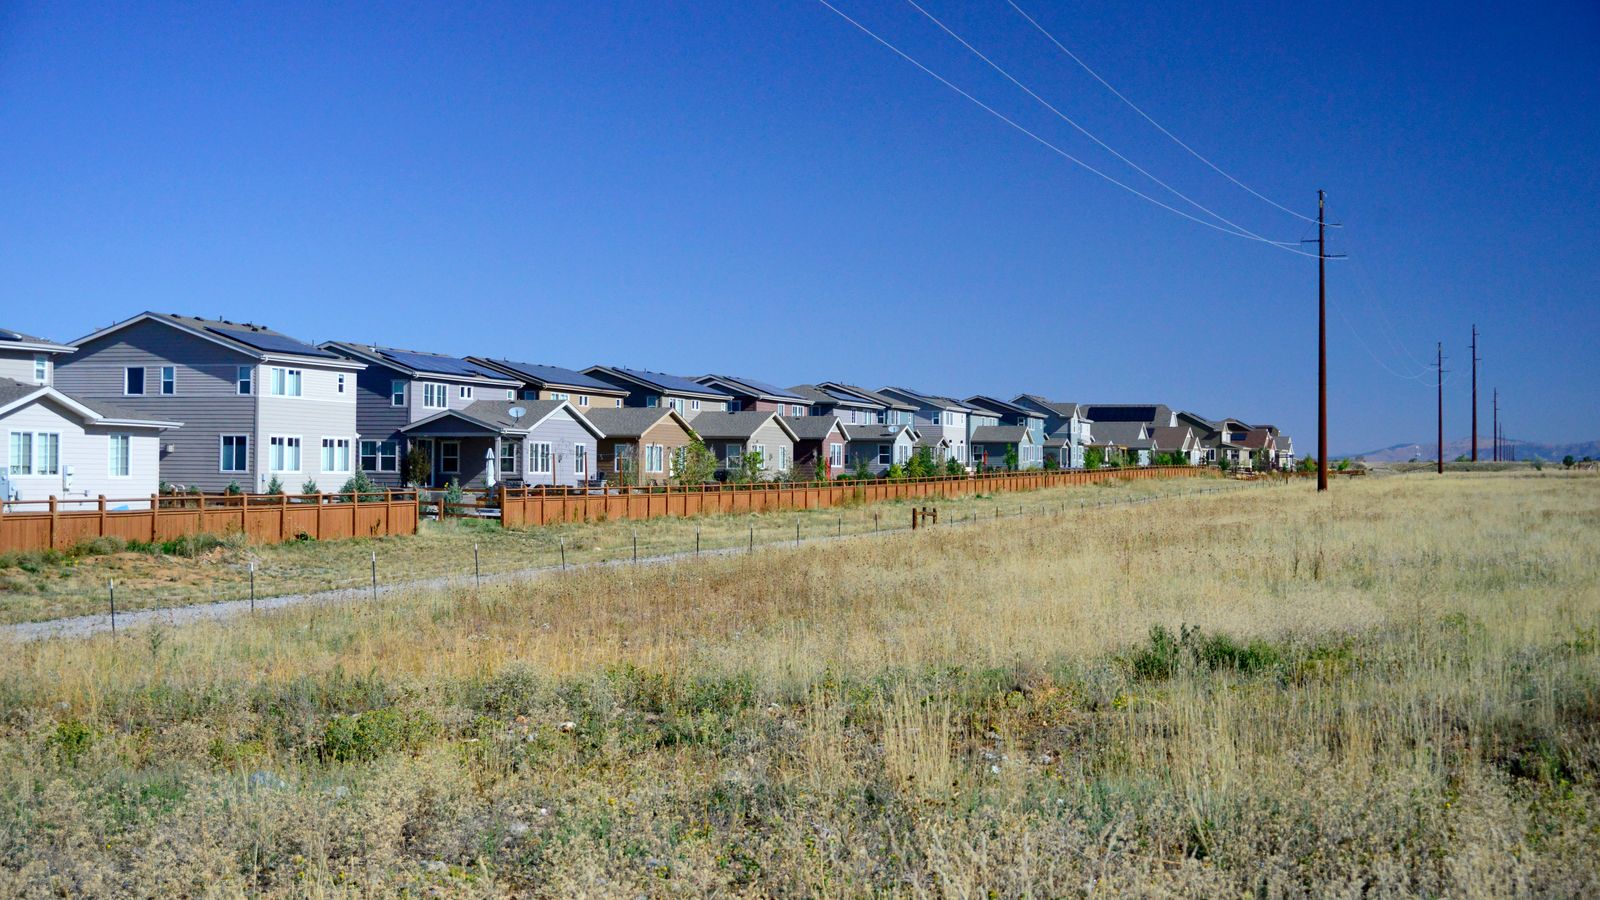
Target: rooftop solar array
x,y
1122,413
555,374
763,387
270,342
438,365
9,335
670,382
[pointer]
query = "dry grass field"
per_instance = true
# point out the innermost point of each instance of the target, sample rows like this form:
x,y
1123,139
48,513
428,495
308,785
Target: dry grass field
x,y
1394,689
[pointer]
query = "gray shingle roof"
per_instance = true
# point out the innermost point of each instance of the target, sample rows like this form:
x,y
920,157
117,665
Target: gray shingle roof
x,y
757,388
999,434
874,432
926,399
1123,434
11,391
534,373
1002,407
809,428
8,336
872,396
627,421
1170,437
730,425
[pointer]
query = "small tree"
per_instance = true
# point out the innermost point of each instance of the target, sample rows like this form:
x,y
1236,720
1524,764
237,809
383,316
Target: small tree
x,y
1343,465
233,489
921,464
454,495
1568,462
895,472
1223,463
1308,464
1052,462
696,464
862,471
952,466
1011,458
360,485
1093,457
749,470
309,486
820,471
274,486
419,468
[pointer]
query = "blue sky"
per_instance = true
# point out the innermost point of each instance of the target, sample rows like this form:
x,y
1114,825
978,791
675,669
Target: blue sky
x,y
756,187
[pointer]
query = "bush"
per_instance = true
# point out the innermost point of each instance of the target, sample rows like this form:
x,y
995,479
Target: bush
x,y
419,468
695,464
453,494
70,740
310,487
233,489
1164,653
1568,462
1051,462
369,735
895,472
952,466
1093,457
274,486
360,484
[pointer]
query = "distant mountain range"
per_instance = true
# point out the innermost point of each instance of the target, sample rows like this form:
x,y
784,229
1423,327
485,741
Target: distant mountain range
x,y
1463,447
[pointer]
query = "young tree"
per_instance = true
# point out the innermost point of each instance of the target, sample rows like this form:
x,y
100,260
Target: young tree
x,y
1011,458
1568,462
749,470
696,464
1051,462
952,466
921,464
820,471
1093,458
360,485
895,472
274,486
862,471
419,468
310,487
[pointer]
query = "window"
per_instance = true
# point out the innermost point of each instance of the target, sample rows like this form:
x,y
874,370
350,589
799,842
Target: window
x,y
133,381
335,454
580,459
836,456
235,453
651,400
121,458
41,368
510,452
884,451
694,405
733,453
797,409
761,450
654,458
169,380
449,453
583,399
511,394
380,456
557,395
242,379
677,405
735,405
286,383
434,396
21,453
539,457
397,392
284,454
783,459
619,403
341,382
465,392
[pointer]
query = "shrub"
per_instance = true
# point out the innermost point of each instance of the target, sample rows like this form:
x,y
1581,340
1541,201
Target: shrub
x,y
370,734
453,494
70,740
274,486
952,466
1093,457
233,489
419,468
695,464
1011,458
895,472
1568,462
310,487
1051,462
360,484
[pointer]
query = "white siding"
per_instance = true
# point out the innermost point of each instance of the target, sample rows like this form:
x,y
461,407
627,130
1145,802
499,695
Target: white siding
x,y
319,412
88,454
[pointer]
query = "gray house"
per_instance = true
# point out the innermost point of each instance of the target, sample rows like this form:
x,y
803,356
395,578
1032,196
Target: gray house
x,y
890,410
879,446
1030,453
686,397
398,388
991,443
514,442
541,382
848,408
731,436
255,404
1067,427
937,418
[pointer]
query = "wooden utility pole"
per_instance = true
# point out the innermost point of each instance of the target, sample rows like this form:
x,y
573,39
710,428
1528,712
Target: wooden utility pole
x,y
1438,365
1495,442
1322,345
1474,393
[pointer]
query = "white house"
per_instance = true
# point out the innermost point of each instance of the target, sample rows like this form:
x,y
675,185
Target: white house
x,y
58,445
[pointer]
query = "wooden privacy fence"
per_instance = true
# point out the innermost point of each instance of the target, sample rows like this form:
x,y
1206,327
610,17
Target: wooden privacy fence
x,y
531,506
263,519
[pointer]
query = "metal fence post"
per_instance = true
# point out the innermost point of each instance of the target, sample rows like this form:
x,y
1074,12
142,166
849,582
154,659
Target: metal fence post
x,y
563,543
636,546
752,538
374,575
797,534
697,540
252,586
111,589
477,573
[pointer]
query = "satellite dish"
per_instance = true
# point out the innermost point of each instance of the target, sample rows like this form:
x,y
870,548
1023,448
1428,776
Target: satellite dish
x,y
516,412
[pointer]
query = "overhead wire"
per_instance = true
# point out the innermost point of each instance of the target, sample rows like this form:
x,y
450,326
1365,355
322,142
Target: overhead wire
x,y
1159,127
1046,143
1085,132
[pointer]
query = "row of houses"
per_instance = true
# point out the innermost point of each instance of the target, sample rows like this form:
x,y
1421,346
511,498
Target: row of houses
x,y
215,405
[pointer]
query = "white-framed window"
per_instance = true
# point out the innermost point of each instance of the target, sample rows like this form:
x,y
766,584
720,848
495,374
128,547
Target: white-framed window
x,y
465,392
380,456
341,382
435,396
733,453
885,454
694,405
539,457
510,453
169,380
120,463
558,395
933,418
244,380
286,383
133,381
677,404
397,392
335,454
650,401
654,458
583,399
235,453
783,459
449,455
580,459
797,409
511,394
35,453
283,453
619,403
762,450
836,456
41,368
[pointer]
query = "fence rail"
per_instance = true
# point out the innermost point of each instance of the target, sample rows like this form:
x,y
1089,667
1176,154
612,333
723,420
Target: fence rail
x,y
525,507
59,524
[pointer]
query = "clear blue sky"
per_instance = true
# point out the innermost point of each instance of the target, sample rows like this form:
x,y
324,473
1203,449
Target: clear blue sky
x,y
756,187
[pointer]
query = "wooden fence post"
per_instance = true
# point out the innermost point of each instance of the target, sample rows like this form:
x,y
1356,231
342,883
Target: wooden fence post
x,y
55,521
102,504
155,505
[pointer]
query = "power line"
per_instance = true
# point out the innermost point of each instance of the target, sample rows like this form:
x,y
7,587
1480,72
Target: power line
x,y
1135,107
1060,152
1365,282
1086,132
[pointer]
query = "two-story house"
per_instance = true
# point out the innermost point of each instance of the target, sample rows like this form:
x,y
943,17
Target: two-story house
x,y
1030,452
818,439
937,418
848,408
646,389
74,449
255,404
540,382
733,436
890,410
749,394
1067,427
397,389
877,447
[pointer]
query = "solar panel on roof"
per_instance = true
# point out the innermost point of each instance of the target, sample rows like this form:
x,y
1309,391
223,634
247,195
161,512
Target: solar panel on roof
x,y
1122,413
438,365
272,343
768,389
556,374
672,382
9,335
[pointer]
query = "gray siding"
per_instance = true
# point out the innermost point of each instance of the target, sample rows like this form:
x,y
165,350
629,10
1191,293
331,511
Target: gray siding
x,y
563,433
377,420
206,402
17,365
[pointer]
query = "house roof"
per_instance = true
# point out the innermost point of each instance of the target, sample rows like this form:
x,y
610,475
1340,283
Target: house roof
x,y
818,395
1256,439
661,381
996,405
22,341
633,421
932,442
257,341
876,432
418,363
495,415
738,385
737,425
1173,437
14,394
1150,413
883,400
813,428
549,376
923,399
1059,407
1122,434
1000,434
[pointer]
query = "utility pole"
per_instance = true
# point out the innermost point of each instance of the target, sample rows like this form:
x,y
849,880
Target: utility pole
x,y
1495,443
1439,380
1322,345
1474,393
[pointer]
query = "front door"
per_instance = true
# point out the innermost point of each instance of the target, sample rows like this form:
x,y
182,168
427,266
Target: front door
x,y
426,446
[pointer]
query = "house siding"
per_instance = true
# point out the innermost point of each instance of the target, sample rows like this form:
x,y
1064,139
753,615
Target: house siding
x,y
378,420
87,450
206,402
563,433
319,412
17,365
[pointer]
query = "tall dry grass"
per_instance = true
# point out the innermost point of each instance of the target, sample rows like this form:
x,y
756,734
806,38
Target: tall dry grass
x,y
1392,689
